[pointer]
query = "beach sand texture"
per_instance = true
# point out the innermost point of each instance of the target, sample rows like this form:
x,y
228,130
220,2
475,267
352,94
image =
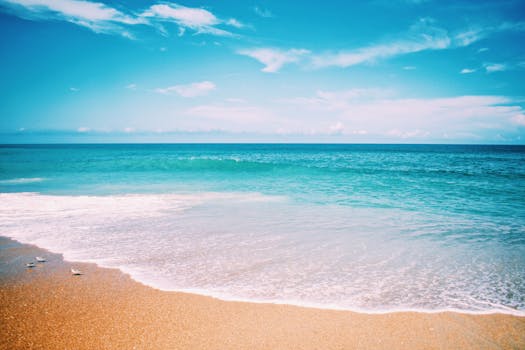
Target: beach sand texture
x,y
47,308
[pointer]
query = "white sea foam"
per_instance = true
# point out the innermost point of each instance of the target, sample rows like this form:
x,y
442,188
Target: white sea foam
x,y
22,180
254,247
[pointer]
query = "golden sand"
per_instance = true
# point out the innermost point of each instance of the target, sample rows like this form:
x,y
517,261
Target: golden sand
x,y
48,308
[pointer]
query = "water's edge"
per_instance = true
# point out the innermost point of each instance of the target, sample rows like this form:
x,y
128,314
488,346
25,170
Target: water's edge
x,y
205,293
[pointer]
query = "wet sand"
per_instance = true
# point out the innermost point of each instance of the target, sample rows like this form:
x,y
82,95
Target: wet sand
x,y
48,308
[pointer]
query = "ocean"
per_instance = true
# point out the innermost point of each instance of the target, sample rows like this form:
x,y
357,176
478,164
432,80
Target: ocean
x,y
370,228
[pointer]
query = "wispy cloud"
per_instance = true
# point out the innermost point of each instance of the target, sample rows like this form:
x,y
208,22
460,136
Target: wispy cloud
x,y
185,16
235,23
190,90
262,12
477,33
495,67
131,86
96,16
199,20
470,36
422,36
274,59
102,18
512,26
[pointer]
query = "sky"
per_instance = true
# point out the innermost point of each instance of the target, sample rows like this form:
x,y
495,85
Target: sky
x,y
378,71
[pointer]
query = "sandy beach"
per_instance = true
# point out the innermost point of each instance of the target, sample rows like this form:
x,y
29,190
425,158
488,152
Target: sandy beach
x,y
47,308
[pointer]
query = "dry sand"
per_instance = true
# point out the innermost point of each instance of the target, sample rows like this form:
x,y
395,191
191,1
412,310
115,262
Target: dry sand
x,y
48,308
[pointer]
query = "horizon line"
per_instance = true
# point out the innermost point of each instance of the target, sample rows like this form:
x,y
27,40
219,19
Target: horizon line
x,y
259,143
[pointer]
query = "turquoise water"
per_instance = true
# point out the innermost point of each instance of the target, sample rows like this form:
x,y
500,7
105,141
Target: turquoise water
x,y
364,227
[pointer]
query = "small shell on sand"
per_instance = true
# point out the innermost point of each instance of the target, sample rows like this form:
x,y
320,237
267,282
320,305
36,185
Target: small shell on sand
x,y
76,272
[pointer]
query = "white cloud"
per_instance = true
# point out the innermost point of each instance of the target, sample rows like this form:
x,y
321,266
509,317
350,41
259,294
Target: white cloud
x,y
234,23
86,10
102,18
421,36
190,90
131,86
378,113
274,59
185,16
83,129
495,67
468,37
74,89
199,20
96,16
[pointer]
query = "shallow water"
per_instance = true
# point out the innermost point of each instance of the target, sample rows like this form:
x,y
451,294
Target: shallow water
x,y
364,227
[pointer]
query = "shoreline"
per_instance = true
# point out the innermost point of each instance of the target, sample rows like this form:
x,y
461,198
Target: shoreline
x,y
46,307
204,293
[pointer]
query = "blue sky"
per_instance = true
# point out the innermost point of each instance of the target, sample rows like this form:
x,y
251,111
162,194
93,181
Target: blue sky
x,y
407,71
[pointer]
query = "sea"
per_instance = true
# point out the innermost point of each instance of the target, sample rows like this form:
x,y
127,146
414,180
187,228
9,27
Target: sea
x,y
369,228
